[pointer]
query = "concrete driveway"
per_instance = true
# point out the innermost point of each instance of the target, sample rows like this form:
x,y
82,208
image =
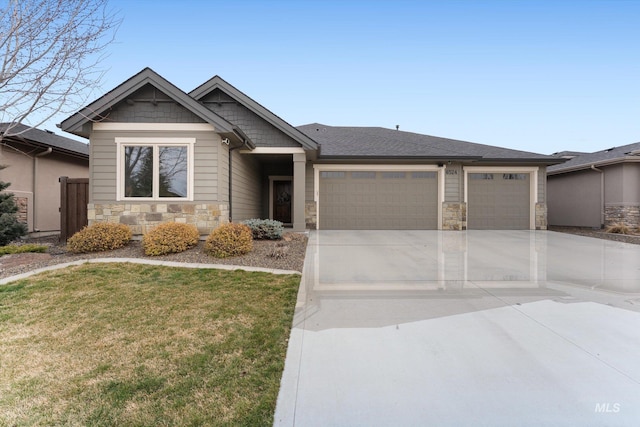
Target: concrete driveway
x,y
464,328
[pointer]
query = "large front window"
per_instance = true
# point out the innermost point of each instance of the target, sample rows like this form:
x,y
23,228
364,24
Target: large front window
x,y
155,171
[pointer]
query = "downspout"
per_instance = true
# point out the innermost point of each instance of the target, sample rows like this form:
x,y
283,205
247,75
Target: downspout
x,y
601,194
35,186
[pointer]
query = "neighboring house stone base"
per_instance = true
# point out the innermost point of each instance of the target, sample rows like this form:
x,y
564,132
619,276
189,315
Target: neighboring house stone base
x,y
454,216
627,215
23,209
541,216
142,217
310,215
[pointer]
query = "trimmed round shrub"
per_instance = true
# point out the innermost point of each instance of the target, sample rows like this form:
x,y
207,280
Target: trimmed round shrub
x,y
169,238
101,236
265,228
232,239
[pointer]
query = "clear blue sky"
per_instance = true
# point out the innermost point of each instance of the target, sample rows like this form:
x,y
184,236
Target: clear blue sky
x,y
539,76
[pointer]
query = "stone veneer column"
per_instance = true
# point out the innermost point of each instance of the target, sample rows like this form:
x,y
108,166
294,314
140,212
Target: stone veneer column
x,y
311,215
541,216
454,216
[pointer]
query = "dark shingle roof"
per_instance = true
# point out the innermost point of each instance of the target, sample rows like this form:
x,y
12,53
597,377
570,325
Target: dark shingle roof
x,y
377,142
610,155
46,139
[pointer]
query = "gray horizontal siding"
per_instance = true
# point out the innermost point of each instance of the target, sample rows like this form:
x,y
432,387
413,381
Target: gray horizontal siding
x,y
103,163
542,184
102,171
453,183
206,174
309,175
246,201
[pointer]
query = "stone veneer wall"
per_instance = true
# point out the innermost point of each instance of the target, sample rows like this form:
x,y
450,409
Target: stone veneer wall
x,y
310,217
541,216
627,215
23,209
454,216
142,217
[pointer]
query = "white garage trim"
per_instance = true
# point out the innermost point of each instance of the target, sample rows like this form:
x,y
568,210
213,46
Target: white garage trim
x,y
378,168
533,184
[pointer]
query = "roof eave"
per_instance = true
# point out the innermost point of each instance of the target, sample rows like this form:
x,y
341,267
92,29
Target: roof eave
x,y
546,161
428,158
589,165
55,148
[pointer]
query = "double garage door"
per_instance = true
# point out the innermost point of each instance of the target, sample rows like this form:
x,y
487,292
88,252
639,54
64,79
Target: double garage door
x,y
408,200
378,200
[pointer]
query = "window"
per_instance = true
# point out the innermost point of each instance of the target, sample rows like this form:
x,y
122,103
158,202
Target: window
x,y
363,175
160,169
332,174
393,175
514,176
481,176
423,175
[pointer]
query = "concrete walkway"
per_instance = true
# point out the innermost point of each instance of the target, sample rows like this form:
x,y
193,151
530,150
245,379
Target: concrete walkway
x,y
464,328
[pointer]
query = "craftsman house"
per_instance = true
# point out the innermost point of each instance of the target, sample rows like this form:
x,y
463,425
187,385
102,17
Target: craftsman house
x,y
214,155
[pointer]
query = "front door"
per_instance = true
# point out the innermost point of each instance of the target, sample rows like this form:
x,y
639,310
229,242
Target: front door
x,y
282,191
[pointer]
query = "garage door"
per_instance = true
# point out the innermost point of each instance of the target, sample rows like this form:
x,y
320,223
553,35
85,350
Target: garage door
x,y
498,201
375,200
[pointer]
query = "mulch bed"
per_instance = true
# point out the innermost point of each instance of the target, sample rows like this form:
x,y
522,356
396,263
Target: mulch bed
x,y
285,254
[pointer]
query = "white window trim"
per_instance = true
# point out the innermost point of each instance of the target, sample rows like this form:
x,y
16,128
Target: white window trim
x,y
154,127
155,142
378,168
533,184
274,150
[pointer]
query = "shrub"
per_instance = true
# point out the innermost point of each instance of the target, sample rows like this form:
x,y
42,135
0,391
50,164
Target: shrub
x,y
101,236
265,228
10,227
278,251
21,249
170,237
618,228
228,240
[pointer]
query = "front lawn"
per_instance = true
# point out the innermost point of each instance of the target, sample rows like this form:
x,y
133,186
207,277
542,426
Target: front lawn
x,y
128,344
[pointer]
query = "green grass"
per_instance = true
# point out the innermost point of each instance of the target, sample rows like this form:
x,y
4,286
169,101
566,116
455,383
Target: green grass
x,y
136,345
20,249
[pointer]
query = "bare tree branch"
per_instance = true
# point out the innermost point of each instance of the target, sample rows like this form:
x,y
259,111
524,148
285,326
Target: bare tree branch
x,y
50,52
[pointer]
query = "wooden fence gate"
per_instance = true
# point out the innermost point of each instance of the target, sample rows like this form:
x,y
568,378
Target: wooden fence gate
x,y
74,196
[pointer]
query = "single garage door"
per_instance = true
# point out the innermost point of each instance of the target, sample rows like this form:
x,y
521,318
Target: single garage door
x,y
498,201
375,200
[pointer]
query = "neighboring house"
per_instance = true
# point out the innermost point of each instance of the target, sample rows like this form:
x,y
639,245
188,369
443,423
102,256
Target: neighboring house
x,y
596,189
214,155
35,159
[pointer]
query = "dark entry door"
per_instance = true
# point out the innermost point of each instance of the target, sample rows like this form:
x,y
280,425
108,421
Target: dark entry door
x,y
282,191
